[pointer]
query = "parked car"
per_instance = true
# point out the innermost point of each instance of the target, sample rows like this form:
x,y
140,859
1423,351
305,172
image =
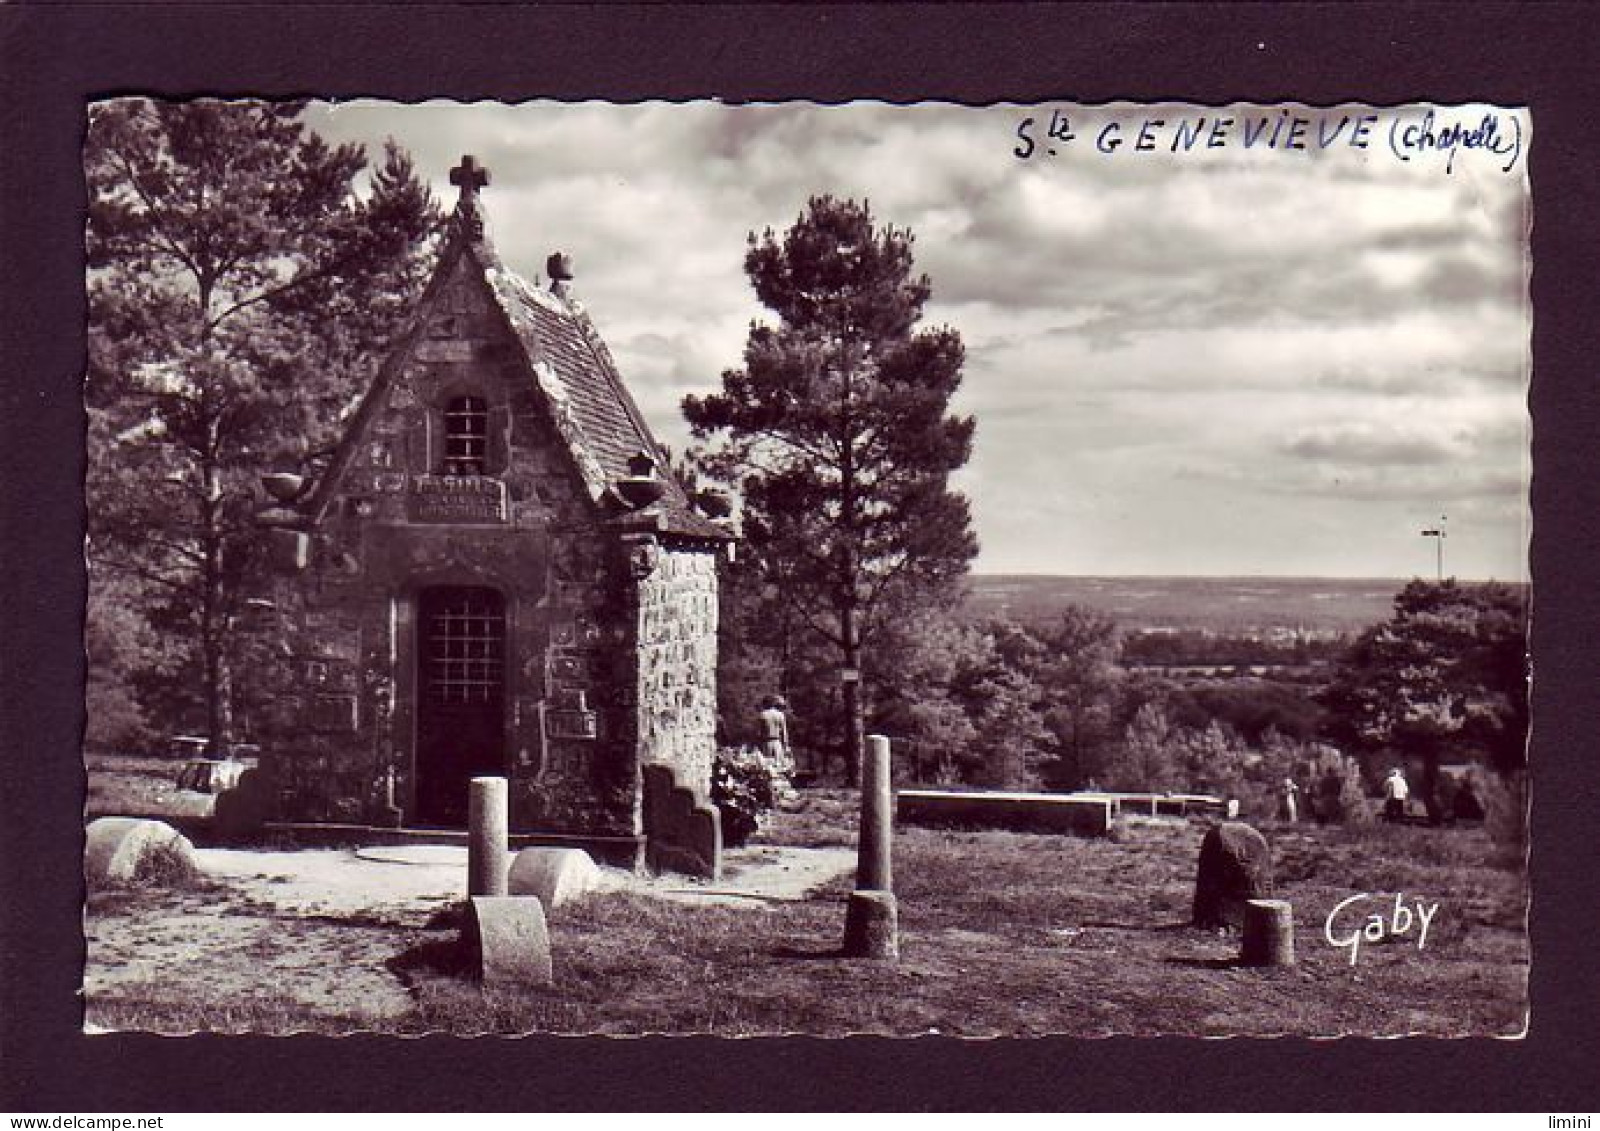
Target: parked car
x,y
205,774
191,746
186,746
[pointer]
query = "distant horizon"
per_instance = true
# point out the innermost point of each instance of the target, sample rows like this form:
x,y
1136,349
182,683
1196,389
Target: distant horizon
x,y
1246,576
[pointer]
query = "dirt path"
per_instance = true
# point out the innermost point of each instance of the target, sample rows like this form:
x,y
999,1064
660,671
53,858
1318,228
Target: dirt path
x,y
379,881
320,926
753,876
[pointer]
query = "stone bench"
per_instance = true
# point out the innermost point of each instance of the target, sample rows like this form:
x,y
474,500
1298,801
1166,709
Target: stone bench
x,y
1021,812
1158,804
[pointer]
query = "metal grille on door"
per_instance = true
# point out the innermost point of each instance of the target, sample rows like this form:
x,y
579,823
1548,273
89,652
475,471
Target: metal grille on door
x,y
466,647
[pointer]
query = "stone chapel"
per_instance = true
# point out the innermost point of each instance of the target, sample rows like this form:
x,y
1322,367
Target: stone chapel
x,y
495,573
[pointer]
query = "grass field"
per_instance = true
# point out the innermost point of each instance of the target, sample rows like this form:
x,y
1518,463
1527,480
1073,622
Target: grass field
x,y
1001,934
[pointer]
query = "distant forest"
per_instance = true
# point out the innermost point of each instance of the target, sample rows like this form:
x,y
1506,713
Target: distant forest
x,y
1266,607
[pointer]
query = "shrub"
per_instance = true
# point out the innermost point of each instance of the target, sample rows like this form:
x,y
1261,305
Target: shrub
x,y
1354,806
746,783
168,866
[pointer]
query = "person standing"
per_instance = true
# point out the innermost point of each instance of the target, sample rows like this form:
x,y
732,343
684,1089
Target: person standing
x,y
1395,793
774,727
1291,801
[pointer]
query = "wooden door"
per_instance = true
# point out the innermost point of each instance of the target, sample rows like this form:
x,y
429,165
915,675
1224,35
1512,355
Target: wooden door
x,y
461,702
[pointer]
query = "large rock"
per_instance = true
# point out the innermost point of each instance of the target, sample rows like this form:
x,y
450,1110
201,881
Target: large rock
x,y
555,875
505,941
1235,866
125,850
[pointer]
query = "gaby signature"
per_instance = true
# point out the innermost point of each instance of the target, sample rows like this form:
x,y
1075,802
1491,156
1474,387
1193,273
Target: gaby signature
x,y
1346,928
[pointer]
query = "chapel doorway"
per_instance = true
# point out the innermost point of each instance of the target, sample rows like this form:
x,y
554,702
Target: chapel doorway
x,y
461,723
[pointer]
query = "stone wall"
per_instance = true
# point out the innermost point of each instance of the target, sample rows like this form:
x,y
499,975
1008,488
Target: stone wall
x,y
677,661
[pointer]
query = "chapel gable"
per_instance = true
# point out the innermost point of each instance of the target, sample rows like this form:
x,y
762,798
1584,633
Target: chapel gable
x,y
494,574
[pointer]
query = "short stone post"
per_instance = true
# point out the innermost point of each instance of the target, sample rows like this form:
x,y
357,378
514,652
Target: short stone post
x,y
1268,933
872,925
506,941
871,922
488,858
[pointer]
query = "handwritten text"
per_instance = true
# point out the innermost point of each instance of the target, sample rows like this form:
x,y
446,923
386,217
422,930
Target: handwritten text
x,y
1410,134
1341,929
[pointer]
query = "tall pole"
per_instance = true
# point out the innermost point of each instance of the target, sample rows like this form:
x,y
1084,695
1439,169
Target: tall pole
x,y
1438,534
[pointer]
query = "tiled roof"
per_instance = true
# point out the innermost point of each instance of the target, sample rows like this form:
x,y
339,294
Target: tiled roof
x,y
596,399
594,412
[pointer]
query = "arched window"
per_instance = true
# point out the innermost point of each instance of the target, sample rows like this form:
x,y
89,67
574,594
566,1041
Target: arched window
x,y
466,436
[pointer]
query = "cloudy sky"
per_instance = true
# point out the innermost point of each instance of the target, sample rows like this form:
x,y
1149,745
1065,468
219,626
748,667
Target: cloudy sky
x,y
1182,360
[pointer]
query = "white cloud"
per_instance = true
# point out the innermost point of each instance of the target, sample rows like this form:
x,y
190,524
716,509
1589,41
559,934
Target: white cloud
x,y
1226,361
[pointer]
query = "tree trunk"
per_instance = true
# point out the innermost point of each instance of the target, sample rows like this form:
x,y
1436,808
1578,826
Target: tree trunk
x,y
219,721
214,641
1430,784
854,717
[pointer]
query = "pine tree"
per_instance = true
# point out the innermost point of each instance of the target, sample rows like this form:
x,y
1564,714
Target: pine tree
x,y
238,287
1147,758
1446,672
1081,680
836,436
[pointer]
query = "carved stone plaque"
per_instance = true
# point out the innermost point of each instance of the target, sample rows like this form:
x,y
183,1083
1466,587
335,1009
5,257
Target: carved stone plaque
x,y
333,712
571,724
456,499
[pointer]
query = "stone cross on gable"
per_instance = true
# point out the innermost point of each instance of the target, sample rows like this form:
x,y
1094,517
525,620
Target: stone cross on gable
x,y
469,176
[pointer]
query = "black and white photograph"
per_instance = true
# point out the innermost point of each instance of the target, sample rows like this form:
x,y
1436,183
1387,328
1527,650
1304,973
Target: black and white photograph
x,y
759,569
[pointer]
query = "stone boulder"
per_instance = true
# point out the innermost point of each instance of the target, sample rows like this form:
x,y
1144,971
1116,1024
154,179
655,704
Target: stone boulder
x,y
119,851
556,875
1235,867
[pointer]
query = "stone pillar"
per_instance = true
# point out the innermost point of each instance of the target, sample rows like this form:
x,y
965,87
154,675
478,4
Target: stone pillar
x,y
873,869
1268,933
871,921
488,823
